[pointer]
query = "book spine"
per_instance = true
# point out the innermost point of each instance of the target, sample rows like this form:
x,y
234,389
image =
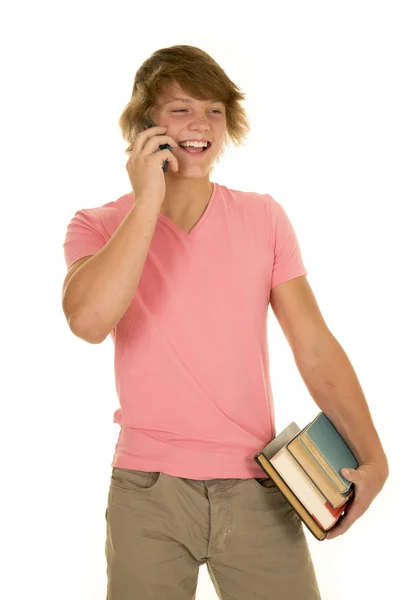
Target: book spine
x,y
309,521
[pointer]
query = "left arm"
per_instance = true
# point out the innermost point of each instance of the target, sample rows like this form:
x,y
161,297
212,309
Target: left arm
x,y
327,371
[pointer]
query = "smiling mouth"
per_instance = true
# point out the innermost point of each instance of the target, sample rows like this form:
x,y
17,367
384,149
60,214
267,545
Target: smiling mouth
x,y
195,151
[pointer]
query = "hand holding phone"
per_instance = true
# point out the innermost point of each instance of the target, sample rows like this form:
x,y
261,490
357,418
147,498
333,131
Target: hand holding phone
x,y
147,124
151,150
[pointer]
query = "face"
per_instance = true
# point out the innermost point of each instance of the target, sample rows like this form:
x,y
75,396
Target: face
x,y
190,119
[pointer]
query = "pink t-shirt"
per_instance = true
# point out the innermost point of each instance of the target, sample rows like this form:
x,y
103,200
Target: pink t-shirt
x,y
191,354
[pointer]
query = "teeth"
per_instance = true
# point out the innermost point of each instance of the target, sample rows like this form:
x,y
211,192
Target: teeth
x,y
194,144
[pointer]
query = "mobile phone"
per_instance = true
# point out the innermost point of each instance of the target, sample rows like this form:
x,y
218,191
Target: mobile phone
x,y
147,123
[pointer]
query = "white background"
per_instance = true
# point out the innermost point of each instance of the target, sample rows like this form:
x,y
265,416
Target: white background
x,y
322,86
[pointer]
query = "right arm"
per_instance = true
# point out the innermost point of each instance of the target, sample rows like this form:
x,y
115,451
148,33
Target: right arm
x,y
101,289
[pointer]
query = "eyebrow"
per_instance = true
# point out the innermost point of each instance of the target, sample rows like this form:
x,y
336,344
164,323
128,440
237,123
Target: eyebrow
x,y
174,98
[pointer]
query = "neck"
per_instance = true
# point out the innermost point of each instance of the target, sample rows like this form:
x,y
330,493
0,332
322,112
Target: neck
x,y
185,197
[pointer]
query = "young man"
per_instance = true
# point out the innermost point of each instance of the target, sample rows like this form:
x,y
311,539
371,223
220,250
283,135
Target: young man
x,y
180,271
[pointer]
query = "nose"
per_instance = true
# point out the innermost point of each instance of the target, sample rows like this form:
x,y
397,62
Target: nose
x,y
199,124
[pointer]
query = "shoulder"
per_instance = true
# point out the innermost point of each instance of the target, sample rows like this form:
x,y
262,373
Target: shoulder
x,y
110,209
106,217
247,200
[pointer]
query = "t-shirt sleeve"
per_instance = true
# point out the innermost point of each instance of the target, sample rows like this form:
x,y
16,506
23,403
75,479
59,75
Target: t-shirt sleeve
x,y
84,236
288,262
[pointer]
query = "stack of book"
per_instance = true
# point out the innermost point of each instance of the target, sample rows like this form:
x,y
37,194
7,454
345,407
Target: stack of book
x,y
305,465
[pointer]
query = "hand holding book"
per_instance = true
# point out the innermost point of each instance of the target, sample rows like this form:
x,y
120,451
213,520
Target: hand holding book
x,y
368,481
308,466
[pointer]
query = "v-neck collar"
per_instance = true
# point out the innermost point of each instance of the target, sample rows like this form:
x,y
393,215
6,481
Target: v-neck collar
x,y
199,223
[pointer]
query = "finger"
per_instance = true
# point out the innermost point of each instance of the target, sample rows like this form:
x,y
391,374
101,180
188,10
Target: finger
x,y
340,528
167,155
153,143
334,534
146,134
350,474
351,515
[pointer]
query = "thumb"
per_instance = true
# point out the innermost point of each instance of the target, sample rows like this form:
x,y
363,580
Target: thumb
x,y
350,474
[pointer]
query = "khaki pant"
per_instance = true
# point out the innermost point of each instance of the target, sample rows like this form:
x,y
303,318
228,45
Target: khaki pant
x,y
161,528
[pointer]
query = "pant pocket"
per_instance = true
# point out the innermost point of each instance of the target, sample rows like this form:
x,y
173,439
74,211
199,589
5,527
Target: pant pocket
x,y
134,479
265,484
